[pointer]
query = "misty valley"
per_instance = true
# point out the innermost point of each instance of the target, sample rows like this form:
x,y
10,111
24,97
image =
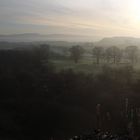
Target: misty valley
x,y
69,69
60,90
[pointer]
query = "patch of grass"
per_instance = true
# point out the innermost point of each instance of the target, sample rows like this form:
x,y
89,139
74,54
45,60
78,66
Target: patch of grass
x,y
84,65
87,65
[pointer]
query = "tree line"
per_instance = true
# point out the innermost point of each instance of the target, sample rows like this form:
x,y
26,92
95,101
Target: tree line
x,y
111,54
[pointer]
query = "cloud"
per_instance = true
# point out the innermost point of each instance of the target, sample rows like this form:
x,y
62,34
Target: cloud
x,y
100,17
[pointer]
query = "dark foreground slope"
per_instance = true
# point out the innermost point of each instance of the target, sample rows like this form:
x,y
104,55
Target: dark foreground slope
x,y
38,103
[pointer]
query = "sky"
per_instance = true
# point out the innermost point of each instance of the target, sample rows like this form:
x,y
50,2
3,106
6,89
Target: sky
x,y
97,18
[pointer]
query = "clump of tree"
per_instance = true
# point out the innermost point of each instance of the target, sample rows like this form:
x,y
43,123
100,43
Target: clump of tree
x,y
132,53
116,55
76,53
98,53
113,53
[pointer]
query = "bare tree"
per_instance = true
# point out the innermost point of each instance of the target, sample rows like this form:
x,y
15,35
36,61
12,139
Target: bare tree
x,y
76,53
108,55
132,53
97,53
113,53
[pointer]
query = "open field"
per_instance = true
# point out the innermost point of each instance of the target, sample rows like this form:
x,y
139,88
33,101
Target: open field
x,y
88,65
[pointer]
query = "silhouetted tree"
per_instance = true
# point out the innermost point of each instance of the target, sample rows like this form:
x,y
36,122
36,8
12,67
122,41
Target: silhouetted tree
x,y
131,53
114,53
98,53
76,53
108,54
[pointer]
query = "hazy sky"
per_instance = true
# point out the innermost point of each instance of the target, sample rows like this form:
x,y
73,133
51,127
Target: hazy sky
x,y
98,18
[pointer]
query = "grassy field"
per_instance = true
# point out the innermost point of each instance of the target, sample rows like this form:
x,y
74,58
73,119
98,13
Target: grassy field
x,y
84,65
88,65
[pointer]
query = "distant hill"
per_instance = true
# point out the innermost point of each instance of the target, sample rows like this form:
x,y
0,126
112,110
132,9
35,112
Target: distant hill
x,y
118,41
68,40
29,37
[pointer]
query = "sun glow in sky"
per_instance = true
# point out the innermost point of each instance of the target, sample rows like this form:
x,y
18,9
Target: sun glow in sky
x,y
97,18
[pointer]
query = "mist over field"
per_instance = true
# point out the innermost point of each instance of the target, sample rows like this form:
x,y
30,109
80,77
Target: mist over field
x,y
69,70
